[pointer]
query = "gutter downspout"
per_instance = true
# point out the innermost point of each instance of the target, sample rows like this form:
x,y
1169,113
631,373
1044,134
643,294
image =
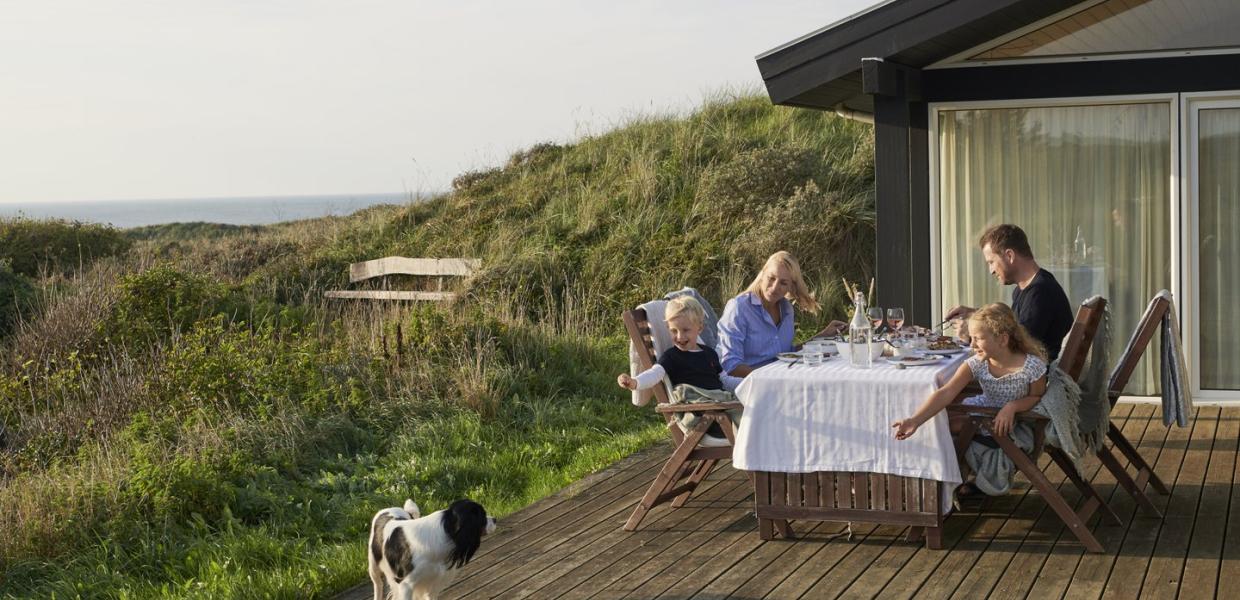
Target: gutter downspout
x,y
855,115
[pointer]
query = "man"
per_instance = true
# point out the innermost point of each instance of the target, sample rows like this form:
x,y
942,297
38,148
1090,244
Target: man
x,y
1040,303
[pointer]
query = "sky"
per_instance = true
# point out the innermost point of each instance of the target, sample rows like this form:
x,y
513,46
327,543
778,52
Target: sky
x,y
130,99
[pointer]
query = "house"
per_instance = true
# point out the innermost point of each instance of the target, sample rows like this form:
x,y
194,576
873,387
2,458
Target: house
x,y
1108,129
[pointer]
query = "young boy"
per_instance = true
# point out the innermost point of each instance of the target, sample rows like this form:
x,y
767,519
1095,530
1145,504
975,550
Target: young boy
x,y
693,369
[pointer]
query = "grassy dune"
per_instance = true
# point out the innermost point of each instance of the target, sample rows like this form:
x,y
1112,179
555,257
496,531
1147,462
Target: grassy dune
x,y
183,415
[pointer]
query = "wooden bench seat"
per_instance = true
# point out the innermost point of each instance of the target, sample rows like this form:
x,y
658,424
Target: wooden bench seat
x,y
400,265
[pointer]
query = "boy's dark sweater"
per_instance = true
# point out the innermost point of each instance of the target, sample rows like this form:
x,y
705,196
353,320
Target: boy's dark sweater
x,y
699,369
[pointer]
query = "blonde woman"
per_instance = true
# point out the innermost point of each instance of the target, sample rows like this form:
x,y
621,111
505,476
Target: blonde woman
x,y
758,324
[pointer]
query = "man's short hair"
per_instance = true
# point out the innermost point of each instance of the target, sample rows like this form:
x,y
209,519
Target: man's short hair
x,y
1006,237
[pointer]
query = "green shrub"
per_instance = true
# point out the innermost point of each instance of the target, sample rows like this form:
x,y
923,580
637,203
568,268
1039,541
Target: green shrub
x,y
16,292
160,301
55,245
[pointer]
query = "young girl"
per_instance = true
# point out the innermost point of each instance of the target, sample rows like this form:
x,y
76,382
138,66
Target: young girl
x,y
1008,363
686,363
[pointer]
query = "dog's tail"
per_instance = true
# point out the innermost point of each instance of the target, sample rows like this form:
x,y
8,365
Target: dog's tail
x,y
412,509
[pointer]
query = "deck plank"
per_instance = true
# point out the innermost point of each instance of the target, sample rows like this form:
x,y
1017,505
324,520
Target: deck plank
x,y
665,537
571,545
1229,569
1201,569
1002,549
596,535
1091,573
1128,573
1065,556
1163,576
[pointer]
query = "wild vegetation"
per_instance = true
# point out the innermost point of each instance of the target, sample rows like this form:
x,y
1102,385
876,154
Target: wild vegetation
x,y
184,415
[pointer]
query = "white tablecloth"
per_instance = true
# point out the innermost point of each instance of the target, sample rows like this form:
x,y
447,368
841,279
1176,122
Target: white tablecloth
x,y
833,417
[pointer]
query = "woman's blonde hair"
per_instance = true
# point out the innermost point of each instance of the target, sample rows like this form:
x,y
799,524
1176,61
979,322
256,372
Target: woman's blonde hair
x,y
687,306
799,294
998,319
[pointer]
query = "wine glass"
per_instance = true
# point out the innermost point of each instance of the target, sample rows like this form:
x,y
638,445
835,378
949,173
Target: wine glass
x,y
895,318
875,314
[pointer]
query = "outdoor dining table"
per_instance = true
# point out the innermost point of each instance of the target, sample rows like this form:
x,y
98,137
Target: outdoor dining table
x,y
820,444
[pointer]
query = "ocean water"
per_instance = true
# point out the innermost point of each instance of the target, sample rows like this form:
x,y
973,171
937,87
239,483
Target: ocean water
x,y
234,211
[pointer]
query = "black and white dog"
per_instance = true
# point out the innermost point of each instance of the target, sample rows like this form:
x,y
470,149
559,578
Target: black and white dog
x,y
418,556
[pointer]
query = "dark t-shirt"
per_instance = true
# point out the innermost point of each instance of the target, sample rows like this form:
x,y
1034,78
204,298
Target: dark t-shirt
x,y
700,369
1043,309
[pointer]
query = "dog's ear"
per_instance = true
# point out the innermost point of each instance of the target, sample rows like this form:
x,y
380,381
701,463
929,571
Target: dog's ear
x,y
465,522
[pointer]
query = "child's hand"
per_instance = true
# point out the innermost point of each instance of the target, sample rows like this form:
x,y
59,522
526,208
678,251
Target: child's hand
x,y
1004,420
905,428
626,381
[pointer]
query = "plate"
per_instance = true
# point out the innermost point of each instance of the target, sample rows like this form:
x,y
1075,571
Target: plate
x,y
788,356
944,352
916,361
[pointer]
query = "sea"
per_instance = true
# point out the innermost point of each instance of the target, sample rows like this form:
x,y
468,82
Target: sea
x,y
258,210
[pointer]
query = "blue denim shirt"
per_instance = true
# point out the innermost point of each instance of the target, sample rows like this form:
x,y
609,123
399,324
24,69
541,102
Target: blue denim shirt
x,y
748,335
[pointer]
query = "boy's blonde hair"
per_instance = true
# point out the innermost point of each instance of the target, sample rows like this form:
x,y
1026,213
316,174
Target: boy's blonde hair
x,y
799,294
997,319
687,306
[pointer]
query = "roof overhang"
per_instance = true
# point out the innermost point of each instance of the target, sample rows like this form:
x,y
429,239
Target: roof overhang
x,y
823,70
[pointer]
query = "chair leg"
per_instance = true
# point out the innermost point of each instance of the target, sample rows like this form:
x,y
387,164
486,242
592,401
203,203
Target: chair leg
x,y
1143,468
1093,500
1125,481
934,538
703,469
784,528
667,476
915,533
1052,496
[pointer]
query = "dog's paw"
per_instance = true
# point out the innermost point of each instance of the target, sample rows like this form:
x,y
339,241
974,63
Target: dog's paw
x,y
412,509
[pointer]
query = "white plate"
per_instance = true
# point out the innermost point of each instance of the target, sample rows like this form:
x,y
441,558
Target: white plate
x,y
916,361
788,356
944,352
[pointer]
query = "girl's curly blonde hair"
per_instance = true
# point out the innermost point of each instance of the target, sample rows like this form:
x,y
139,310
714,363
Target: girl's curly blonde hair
x,y
997,319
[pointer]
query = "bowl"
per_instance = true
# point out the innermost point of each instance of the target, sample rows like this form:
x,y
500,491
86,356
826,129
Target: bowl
x,y
823,346
876,350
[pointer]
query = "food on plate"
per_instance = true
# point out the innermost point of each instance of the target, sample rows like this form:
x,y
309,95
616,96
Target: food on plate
x,y
788,355
943,343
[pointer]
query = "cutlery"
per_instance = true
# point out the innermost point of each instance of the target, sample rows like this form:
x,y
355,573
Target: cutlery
x,y
797,360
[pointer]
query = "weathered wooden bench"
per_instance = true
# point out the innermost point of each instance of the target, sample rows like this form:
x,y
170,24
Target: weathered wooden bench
x,y
399,265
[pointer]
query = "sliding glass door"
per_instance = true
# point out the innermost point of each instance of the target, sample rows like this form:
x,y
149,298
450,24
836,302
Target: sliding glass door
x,y
1213,138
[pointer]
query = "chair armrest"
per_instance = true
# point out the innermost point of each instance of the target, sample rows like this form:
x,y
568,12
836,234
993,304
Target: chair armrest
x,y
702,407
989,413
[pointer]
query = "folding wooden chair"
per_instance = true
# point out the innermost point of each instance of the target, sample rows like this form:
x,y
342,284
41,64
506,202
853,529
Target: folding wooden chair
x,y
1146,328
689,461
1072,361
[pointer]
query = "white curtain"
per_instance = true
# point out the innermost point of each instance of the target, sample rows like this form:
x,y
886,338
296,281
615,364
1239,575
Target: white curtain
x,y
1090,185
1218,196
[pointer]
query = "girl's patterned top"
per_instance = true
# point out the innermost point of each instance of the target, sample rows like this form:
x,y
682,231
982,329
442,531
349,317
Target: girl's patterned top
x,y
1001,390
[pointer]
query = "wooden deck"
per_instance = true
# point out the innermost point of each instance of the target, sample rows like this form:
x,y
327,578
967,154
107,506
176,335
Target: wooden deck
x,y
571,545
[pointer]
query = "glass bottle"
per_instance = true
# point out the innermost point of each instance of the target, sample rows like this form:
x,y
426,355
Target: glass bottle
x,y
860,336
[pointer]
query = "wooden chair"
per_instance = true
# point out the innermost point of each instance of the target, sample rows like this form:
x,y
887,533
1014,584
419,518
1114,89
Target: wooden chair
x,y
689,461
1072,361
1146,328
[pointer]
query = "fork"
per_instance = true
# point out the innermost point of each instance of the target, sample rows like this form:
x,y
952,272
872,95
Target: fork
x,y
795,361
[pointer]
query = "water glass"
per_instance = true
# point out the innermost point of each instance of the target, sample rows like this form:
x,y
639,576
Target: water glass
x,y
811,356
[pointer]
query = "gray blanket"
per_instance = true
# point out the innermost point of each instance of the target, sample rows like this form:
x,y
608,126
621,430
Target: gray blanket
x,y
1176,399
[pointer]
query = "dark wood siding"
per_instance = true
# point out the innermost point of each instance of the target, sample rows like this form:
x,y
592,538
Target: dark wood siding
x,y
1085,78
